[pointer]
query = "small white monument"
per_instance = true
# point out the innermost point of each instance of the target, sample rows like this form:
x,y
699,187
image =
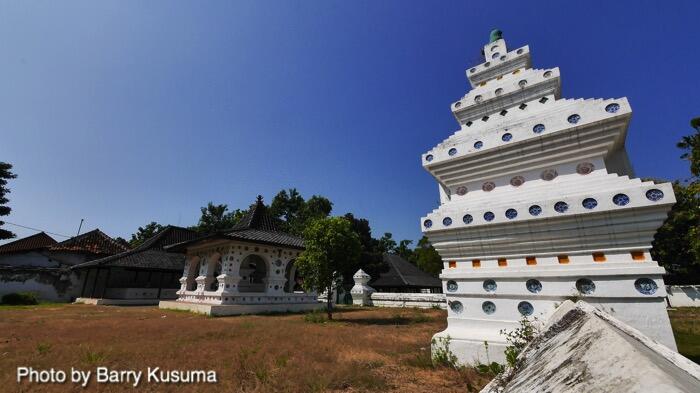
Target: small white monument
x,y
538,204
361,292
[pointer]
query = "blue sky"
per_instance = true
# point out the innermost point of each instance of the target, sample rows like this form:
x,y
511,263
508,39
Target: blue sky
x,y
128,112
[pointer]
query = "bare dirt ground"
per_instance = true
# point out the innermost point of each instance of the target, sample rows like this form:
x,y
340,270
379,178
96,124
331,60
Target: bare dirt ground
x,y
363,350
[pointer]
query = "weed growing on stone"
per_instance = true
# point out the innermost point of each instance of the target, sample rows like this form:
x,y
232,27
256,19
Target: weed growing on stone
x,y
489,368
442,355
519,338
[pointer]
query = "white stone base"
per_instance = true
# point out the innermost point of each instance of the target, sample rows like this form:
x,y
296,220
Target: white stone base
x,y
467,336
471,351
116,302
238,309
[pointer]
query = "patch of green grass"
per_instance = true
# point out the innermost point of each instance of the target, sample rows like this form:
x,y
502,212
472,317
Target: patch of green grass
x,y
43,348
686,328
317,384
262,374
32,306
369,364
315,317
688,345
422,359
364,381
281,360
93,357
247,325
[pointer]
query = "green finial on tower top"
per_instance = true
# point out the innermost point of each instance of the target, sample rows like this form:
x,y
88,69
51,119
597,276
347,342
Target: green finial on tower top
x,y
496,35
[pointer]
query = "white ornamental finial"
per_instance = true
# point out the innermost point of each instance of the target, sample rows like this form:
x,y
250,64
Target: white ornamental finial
x,y
361,277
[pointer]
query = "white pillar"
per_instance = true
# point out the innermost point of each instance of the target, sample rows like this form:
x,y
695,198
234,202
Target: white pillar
x,y
230,276
209,277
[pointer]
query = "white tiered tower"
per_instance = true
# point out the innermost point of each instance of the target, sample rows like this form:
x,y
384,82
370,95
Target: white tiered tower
x,y
538,204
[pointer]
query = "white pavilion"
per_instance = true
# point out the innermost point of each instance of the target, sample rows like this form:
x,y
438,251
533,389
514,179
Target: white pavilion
x,y
247,269
539,204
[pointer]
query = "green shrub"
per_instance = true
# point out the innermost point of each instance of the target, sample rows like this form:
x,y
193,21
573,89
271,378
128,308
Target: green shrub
x,y
442,355
20,299
315,316
491,369
519,338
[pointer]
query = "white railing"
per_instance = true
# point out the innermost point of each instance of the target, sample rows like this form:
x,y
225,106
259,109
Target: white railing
x,y
420,300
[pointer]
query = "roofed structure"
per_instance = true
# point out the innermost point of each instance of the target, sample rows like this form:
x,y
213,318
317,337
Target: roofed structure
x,y
256,226
94,242
403,276
246,269
41,265
142,275
151,254
40,241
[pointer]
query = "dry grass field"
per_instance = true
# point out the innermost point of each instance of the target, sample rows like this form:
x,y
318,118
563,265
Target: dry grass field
x,y
364,350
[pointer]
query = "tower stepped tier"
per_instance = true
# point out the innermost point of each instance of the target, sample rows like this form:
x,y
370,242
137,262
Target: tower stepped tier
x,y
538,204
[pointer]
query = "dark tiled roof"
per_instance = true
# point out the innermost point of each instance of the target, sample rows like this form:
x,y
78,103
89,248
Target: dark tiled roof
x,y
256,226
29,243
167,236
275,238
150,254
257,217
95,242
145,259
402,273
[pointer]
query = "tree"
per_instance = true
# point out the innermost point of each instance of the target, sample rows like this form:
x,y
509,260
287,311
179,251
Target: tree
x,y
123,242
287,206
676,244
426,258
691,143
295,213
144,233
403,251
5,175
314,208
371,257
331,246
387,243
217,218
